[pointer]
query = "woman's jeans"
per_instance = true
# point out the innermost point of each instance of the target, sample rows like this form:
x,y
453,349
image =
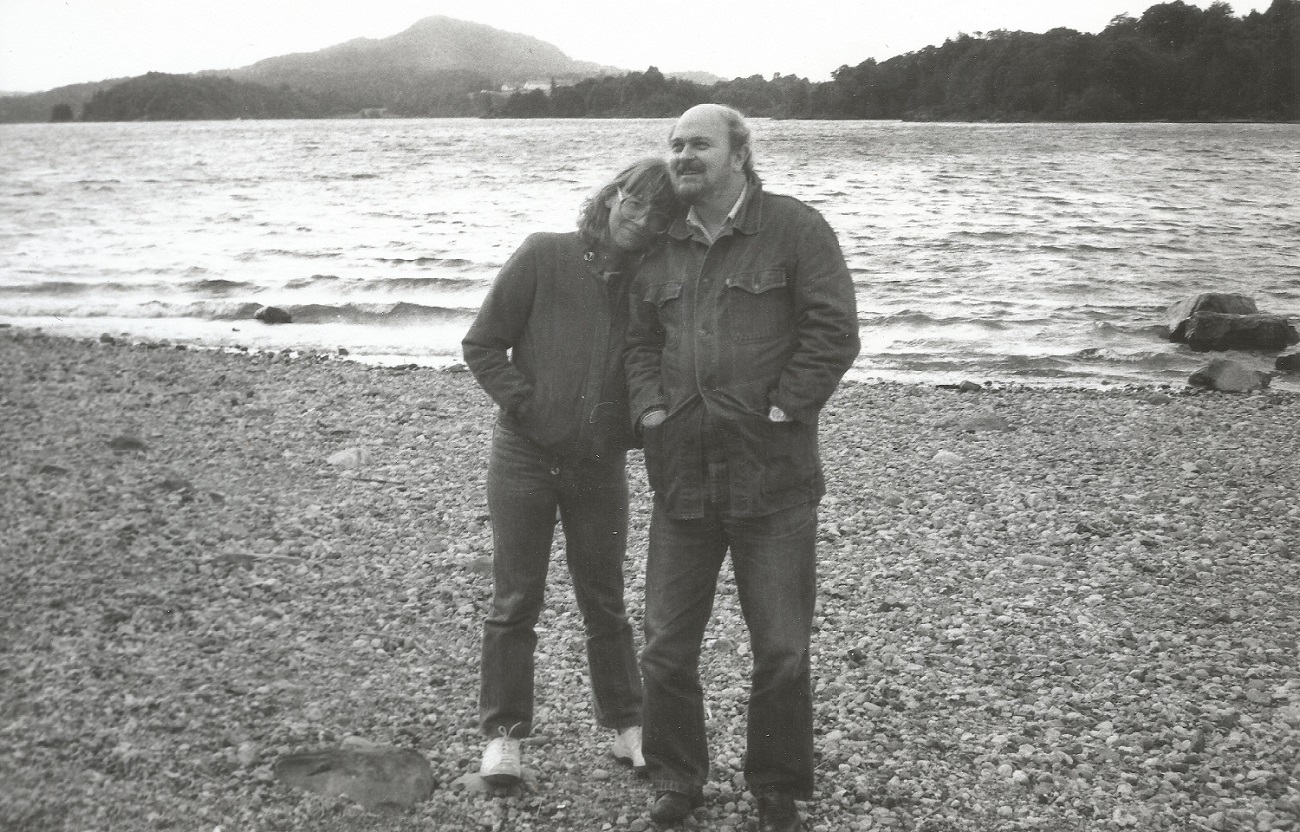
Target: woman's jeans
x,y
525,487
774,560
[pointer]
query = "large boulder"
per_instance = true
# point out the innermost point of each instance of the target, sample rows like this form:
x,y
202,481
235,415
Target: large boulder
x,y
1177,315
376,776
1228,376
272,315
1206,331
1288,363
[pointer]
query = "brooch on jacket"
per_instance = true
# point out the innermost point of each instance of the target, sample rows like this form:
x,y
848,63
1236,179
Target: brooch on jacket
x,y
600,263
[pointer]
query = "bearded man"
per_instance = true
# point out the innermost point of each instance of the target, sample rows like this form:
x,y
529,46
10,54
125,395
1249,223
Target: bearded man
x,y
741,328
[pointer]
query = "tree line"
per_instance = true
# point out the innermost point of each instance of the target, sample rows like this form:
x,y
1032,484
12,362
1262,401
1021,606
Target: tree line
x,y
1175,62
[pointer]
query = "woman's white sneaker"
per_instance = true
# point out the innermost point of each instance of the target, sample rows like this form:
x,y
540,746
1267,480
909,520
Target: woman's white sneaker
x,y
627,748
501,764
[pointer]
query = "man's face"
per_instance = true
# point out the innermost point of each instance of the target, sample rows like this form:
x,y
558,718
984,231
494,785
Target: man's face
x,y
700,161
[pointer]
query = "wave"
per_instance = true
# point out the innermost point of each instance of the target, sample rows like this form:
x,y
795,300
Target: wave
x,y
1077,247
453,284
279,252
218,286
434,284
453,262
72,288
913,318
370,314
375,313
990,234
1145,358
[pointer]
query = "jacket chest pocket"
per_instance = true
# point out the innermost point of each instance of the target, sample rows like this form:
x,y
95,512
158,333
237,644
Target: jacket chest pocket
x,y
667,300
758,305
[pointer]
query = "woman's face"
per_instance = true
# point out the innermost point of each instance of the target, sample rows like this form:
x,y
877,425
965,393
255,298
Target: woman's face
x,y
633,222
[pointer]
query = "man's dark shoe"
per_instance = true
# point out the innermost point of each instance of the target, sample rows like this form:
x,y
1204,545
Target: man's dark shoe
x,y
673,807
776,812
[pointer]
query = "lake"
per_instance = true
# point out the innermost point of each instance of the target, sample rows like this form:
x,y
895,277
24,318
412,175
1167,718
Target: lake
x,y
1031,253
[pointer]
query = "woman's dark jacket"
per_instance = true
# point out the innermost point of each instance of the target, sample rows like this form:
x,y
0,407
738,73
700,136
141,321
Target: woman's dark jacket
x,y
547,346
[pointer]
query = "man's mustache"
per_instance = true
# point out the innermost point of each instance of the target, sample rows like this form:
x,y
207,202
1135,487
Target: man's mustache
x,y
687,167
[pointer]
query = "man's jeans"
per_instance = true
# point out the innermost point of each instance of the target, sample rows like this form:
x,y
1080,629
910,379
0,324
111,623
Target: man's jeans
x,y
774,560
525,487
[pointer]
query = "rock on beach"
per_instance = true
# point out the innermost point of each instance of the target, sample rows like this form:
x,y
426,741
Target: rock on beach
x,y
272,315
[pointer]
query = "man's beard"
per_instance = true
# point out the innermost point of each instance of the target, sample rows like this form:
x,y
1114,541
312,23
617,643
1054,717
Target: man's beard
x,y
690,190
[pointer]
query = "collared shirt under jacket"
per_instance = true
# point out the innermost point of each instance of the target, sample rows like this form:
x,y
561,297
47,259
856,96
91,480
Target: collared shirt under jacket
x,y
547,346
763,316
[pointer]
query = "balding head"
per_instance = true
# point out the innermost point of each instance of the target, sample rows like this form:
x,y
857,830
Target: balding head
x,y
734,124
709,157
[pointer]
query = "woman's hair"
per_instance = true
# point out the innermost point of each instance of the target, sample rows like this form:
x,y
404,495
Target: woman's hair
x,y
646,179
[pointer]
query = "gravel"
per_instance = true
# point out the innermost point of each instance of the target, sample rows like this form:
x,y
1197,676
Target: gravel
x,y
1039,609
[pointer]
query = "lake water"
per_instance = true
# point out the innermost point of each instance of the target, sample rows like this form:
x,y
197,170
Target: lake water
x,y
1040,253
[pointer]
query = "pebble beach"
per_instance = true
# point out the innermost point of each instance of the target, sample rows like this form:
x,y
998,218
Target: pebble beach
x,y
1049,609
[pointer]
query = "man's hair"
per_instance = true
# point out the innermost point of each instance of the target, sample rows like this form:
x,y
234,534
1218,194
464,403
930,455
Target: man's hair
x,y
646,179
738,136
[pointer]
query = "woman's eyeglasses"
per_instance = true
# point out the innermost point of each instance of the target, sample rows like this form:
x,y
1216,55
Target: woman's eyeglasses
x,y
636,210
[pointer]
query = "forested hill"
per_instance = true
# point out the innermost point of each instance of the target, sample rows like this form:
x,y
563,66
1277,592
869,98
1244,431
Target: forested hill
x,y
1175,62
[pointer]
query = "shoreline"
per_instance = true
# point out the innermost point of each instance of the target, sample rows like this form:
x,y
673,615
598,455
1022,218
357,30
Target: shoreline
x,y
263,339
1038,608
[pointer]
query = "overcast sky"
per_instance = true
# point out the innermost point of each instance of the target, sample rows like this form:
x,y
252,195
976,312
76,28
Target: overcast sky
x,y
49,43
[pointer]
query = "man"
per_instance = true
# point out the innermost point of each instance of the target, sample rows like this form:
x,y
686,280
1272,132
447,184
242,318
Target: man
x,y
740,330
547,346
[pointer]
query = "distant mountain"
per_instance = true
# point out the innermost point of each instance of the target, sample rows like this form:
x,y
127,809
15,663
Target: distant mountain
x,y
430,69
433,68
433,46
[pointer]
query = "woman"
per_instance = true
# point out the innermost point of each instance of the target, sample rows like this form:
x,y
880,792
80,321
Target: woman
x,y
547,346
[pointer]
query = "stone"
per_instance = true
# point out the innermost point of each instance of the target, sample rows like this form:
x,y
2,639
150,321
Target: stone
x,y
247,753
1288,363
1205,331
272,315
1177,314
348,458
1228,376
986,420
376,776
127,443
964,387
174,482
1039,560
